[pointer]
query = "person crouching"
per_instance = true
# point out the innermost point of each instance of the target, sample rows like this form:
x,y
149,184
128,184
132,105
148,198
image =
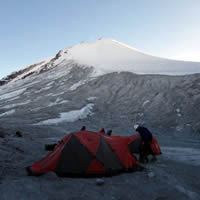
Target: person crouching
x,y
145,146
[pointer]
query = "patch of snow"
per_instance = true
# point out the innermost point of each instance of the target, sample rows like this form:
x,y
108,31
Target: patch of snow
x,y
12,99
50,94
62,83
186,155
57,102
10,112
178,110
63,101
76,85
91,98
145,102
179,128
100,181
36,109
43,89
27,93
151,174
56,94
17,104
12,94
70,116
140,114
51,83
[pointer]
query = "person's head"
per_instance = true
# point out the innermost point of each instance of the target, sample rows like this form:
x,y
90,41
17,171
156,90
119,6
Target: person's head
x,y
136,126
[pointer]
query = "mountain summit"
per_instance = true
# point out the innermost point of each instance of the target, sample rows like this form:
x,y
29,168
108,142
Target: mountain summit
x,y
109,55
106,56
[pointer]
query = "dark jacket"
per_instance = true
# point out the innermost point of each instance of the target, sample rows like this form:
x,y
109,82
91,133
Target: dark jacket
x,y
145,134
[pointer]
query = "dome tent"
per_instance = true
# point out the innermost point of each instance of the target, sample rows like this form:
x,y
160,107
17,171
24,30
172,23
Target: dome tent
x,y
86,153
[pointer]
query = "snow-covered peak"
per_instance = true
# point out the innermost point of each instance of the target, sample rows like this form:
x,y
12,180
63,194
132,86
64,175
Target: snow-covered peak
x,y
108,55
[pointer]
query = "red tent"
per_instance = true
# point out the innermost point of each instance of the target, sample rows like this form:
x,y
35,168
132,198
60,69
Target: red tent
x,y
86,153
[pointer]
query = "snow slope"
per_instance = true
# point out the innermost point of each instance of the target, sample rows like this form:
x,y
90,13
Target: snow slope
x,y
108,55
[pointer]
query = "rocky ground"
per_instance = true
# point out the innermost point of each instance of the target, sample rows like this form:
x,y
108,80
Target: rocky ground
x,y
174,176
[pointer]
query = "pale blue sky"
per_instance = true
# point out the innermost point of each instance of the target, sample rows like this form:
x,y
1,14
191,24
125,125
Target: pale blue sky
x,y
32,30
